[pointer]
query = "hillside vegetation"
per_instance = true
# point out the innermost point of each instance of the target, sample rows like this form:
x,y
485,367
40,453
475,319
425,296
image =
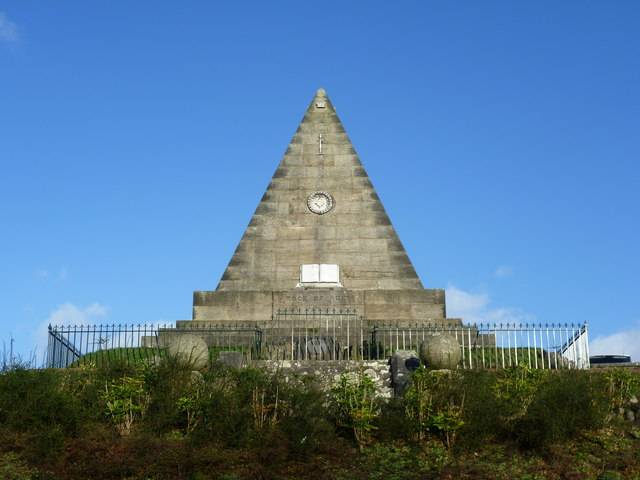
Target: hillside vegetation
x,y
167,422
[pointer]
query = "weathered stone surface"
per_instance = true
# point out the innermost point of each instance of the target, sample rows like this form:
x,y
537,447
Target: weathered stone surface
x,y
403,363
327,373
190,349
440,350
403,307
231,359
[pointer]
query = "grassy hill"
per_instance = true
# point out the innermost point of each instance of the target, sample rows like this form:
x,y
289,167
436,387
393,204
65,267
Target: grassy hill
x,y
139,421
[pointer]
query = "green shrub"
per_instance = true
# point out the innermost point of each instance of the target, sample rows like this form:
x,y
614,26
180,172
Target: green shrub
x,y
225,416
482,410
622,384
515,389
392,424
117,367
400,462
419,401
355,406
83,387
235,406
250,407
434,404
566,403
391,462
44,446
304,420
174,392
34,401
126,400
12,467
256,424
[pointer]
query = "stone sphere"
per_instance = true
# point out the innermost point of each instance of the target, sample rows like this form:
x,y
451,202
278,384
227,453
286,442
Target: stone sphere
x,y
440,350
190,349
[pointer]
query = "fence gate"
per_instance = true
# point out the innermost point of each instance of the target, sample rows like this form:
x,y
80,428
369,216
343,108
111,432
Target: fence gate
x,y
315,334
61,352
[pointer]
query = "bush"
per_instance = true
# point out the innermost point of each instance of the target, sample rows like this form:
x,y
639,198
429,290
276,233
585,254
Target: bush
x,y
392,462
13,467
305,422
173,396
515,389
225,413
34,401
622,384
434,404
126,401
566,403
392,424
482,410
255,424
355,406
249,407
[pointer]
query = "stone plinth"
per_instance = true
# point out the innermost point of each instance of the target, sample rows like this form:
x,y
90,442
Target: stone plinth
x,y
399,307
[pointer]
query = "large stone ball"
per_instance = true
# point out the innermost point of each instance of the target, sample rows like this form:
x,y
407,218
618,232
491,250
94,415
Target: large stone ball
x,y
440,350
190,349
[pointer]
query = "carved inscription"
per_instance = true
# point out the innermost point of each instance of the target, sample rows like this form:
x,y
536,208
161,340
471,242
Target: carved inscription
x,y
316,299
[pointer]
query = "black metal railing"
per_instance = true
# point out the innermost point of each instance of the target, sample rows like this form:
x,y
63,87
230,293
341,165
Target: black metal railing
x,y
94,345
324,335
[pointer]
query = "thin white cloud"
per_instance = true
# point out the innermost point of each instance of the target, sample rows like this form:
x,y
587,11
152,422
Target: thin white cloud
x,y
462,303
503,271
477,308
48,275
8,29
626,342
68,314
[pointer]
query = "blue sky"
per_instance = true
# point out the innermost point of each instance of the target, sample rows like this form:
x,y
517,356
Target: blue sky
x,y
136,139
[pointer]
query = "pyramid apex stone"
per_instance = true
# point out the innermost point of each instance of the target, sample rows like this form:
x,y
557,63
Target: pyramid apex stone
x,y
321,92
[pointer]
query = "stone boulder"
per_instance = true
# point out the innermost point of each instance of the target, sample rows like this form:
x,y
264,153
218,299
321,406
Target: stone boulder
x,y
440,350
190,349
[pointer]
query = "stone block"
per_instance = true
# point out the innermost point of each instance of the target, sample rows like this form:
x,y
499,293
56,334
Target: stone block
x,y
188,348
231,359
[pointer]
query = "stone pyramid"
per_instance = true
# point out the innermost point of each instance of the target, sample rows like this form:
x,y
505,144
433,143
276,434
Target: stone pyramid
x,y
320,210
284,233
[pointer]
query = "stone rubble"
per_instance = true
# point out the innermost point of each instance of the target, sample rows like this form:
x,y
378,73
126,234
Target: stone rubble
x,y
327,373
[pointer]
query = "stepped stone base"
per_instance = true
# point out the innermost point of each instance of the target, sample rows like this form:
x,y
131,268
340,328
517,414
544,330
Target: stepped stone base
x,y
393,307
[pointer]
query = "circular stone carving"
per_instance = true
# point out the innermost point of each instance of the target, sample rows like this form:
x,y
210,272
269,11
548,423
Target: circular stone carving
x,y
190,349
320,202
440,350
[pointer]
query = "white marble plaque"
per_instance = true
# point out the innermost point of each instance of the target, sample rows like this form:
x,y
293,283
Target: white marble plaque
x,y
319,273
329,273
310,273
